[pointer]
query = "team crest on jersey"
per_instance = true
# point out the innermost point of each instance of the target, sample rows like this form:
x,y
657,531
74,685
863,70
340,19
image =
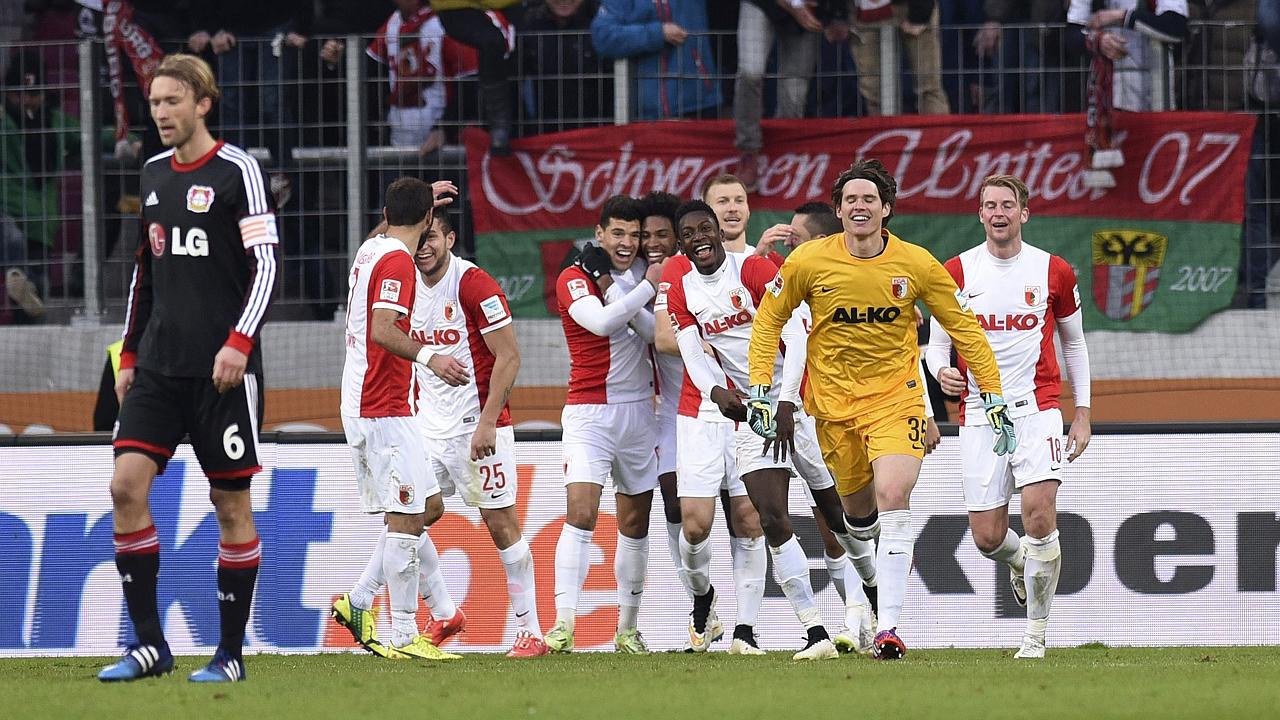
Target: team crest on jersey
x,y
1034,295
899,287
1126,271
406,494
199,198
155,233
390,291
450,310
739,299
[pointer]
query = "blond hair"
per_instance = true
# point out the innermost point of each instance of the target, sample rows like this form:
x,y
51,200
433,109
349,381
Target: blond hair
x,y
1009,182
721,179
191,71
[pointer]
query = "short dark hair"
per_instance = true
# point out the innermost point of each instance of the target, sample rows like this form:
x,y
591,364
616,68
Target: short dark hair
x,y
409,200
693,206
874,171
820,219
446,222
620,207
660,204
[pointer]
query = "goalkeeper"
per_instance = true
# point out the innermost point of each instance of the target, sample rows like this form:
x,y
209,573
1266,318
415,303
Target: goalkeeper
x,y
863,369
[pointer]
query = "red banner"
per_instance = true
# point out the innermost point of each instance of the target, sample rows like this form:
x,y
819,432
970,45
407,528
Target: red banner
x,y
1178,165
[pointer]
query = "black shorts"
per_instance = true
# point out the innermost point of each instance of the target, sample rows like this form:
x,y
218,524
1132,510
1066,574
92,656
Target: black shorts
x,y
159,411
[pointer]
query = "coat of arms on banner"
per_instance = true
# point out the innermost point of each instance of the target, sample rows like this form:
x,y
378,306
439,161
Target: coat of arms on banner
x,y
1126,271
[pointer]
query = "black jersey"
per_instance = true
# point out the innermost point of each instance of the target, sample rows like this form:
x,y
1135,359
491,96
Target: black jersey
x,y
206,264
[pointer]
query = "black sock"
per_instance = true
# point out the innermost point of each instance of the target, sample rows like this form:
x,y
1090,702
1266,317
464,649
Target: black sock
x,y
873,597
745,633
237,573
702,610
816,634
138,562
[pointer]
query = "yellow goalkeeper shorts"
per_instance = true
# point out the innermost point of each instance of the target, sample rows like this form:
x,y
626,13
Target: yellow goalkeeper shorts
x,y
849,446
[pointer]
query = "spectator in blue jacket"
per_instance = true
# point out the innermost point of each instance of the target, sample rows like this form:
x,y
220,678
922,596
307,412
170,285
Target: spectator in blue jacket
x,y
675,76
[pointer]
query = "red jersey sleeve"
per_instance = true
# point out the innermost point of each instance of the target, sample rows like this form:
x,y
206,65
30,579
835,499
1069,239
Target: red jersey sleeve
x,y
775,258
757,272
378,48
956,270
671,293
392,284
483,301
1064,291
572,286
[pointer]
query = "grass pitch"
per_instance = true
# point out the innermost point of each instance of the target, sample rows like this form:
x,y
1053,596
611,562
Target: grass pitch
x,y
1088,682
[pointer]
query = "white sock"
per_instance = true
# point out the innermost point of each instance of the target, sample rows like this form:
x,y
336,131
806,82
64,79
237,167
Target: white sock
x,y
893,561
630,564
400,564
835,570
573,560
1044,565
431,581
517,560
750,563
673,547
860,546
791,571
696,561
372,579
1011,552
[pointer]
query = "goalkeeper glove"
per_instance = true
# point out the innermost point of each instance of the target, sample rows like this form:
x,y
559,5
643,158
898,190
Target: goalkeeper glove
x,y
760,413
998,416
594,261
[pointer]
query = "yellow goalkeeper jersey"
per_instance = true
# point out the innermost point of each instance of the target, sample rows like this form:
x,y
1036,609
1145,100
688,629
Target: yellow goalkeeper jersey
x,y
862,351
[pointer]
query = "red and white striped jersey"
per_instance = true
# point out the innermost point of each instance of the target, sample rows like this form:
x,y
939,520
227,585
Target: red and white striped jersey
x,y
452,319
419,56
603,370
376,383
1018,303
722,306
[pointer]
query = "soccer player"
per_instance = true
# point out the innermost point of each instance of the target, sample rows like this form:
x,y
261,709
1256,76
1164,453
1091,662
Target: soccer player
x,y
204,275
712,296
864,374
378,389
608,417
707,472
1020,294
461,312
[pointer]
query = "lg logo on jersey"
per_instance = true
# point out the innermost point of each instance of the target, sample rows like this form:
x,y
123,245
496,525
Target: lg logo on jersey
x,y
1008,322
437,336
194,243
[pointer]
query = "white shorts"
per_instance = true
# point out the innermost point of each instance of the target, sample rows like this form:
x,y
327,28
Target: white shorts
x,y
989,479
807,460
489,483
391,464
604,440
410,126
667,445
706,459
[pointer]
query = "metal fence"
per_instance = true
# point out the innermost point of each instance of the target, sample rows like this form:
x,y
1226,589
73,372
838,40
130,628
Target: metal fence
x,y
318,121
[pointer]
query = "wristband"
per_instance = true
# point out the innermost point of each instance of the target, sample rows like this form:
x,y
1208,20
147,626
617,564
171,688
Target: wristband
x,y
424,355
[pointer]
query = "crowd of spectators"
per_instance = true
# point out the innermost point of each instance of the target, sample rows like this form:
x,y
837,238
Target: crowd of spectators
x,y
519,68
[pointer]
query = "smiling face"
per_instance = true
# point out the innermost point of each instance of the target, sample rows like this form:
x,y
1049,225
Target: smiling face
x,y
729,200
175,110
1001,215
702,241
433,254
861,212
621,240
657,239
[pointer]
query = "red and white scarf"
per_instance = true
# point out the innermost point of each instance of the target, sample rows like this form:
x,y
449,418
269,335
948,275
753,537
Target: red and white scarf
x,y
123,36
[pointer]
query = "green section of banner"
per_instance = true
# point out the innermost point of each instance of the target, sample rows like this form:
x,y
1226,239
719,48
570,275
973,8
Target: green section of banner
x,y
1189,269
